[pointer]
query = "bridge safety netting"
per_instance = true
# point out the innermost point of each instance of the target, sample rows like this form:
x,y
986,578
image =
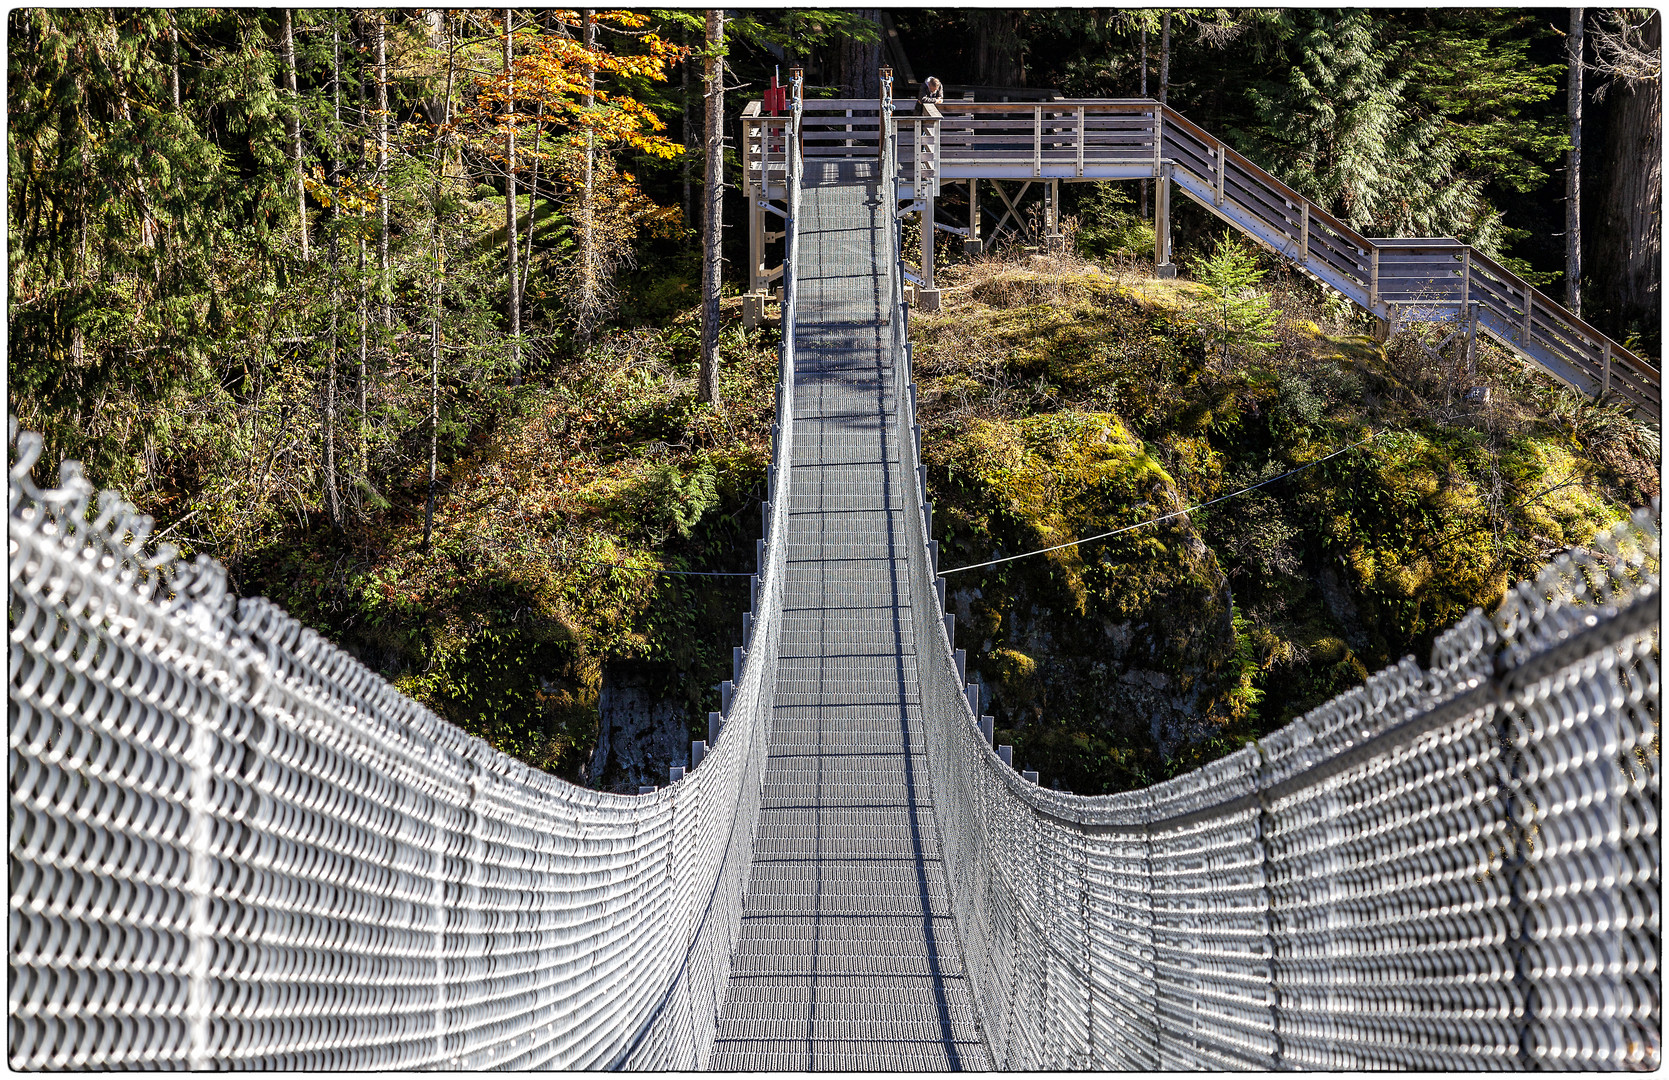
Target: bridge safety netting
x,y
232,845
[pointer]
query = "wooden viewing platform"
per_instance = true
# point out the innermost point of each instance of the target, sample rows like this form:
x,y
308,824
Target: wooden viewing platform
x,y
1396,279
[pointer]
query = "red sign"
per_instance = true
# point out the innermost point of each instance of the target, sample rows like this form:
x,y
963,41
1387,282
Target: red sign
x,y
776,97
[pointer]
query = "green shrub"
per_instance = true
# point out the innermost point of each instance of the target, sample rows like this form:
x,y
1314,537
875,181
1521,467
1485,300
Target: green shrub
x,y
1238,317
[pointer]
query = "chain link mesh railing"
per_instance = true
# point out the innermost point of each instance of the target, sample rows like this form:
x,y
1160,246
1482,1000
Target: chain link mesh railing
x,y
234,846
1447,868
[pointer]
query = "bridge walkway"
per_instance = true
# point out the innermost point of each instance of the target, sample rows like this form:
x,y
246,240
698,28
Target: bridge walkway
x,y
847,958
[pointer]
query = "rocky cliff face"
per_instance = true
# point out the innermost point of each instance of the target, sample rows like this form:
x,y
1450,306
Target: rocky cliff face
x,y
642,731
1124,641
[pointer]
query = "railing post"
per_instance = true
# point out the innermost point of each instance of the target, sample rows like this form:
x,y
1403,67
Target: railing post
x,y
1304,235
1082,136
796,106
1605,379
883,118
1222,170
971,243
1529,307
1158,140
1373,281
1037,140
1162,265
915,157
1465,280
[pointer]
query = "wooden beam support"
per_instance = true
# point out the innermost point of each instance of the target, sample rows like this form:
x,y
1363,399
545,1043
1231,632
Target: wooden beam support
x,y
1013,210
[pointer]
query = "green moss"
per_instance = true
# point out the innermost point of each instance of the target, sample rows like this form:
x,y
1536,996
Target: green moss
x,y
1060,405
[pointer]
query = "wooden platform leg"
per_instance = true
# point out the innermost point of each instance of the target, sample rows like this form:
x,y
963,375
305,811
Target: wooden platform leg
x,y
1162,265
756,240
971,244
928,298
1053,241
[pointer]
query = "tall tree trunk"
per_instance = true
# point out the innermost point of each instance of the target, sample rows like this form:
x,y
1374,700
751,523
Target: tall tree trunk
x,y
287,46
362,382
689,144
532,199
174,57
439,237
859,62
1164,57
515,300
997,46
333,498
588,197
1144,95
1573,171
384,294
1628,236
712,214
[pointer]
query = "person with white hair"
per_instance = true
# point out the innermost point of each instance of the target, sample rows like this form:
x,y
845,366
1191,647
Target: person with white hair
x,y
933,91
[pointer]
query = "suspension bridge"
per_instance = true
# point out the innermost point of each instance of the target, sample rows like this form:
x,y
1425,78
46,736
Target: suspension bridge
x,y
234,846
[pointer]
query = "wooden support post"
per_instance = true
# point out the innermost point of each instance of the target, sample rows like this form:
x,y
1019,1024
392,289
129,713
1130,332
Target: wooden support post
x,y
753,304
1373,281
1304,235
1605,378
1529,306
756,238
971,243
927,296
1465,281
1222,170
1052,238
1162,265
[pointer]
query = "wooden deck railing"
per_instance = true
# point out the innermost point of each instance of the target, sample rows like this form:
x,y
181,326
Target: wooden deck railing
x,y
1132,138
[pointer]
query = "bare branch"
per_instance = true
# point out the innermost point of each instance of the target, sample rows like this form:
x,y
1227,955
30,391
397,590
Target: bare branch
x,y
1220,28
1621,49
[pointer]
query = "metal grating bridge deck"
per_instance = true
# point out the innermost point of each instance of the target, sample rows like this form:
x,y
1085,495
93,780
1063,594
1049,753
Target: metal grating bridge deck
x,y
847,957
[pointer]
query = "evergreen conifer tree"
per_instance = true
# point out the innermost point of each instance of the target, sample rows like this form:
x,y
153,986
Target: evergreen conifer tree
x,y
1347,132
